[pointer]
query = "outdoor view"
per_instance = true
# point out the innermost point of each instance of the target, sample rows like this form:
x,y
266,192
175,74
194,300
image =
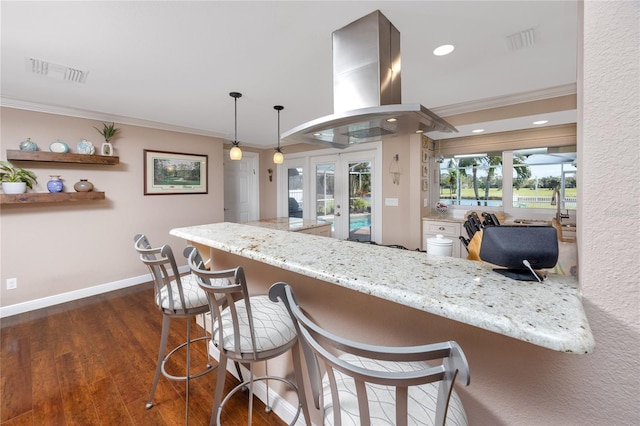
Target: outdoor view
x,y
479,179
359,198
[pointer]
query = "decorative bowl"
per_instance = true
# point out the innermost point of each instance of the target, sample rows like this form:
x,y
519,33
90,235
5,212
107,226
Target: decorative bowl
x,y
59,147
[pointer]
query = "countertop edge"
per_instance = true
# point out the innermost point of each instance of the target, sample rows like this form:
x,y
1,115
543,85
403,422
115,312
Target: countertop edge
x,y
563,328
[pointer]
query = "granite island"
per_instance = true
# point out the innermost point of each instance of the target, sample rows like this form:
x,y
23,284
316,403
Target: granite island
x,y
548,314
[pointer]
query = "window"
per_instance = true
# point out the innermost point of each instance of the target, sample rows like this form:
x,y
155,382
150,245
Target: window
x,y
541,178
471,180
538,174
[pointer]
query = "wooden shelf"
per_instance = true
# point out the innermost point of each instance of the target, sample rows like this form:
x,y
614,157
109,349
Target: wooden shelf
x,y
55,157
50,197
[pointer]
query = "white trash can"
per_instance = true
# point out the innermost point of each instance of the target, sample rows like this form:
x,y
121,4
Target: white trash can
x,y
439,246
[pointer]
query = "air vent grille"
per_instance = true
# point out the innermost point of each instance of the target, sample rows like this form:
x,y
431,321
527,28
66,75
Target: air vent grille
x,y
58,72
522,39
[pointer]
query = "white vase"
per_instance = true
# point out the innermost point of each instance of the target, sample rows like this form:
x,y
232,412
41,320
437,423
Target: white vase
x,y
14,187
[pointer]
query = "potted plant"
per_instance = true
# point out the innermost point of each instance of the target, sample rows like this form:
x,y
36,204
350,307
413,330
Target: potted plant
x,y
15,180
108,131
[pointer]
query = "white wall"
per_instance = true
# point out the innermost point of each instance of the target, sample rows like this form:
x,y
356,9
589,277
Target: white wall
x,y
54,248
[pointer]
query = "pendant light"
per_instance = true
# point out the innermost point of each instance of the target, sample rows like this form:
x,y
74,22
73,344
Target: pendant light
x,y
278,156
236,152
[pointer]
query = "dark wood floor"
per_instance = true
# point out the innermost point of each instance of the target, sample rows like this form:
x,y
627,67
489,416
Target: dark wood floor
x,y
91,362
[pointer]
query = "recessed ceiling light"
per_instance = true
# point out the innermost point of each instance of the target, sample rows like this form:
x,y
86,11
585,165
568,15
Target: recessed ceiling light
x,y
445,49
391,120
419,131
537,123
477,131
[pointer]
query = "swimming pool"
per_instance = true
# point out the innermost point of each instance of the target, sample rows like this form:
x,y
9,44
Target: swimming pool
x,y
359,221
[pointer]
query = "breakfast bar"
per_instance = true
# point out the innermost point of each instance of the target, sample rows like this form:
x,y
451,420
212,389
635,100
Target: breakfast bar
x,y
549,314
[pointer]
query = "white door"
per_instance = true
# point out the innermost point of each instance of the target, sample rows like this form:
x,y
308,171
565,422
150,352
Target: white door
x,y
241,191
344,194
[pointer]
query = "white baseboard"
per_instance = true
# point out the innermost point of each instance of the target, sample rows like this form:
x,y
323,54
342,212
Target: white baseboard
x,y
45,302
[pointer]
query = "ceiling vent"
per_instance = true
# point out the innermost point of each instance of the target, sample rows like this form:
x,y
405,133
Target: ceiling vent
x,y
522,39
58,72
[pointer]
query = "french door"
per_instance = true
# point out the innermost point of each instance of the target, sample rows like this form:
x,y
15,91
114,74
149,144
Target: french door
x,y
343,192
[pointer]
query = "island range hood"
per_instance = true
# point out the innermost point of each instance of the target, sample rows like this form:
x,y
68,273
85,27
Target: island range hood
x,y
366,91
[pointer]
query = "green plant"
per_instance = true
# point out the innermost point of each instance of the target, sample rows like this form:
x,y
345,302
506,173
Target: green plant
x,y
9,173
108,131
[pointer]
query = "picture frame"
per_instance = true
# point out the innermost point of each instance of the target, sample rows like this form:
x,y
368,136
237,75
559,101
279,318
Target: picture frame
x,y
425,185
425,156
170,173
425,170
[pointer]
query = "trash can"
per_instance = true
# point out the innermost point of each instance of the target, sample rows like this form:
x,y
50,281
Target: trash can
x,y
439,246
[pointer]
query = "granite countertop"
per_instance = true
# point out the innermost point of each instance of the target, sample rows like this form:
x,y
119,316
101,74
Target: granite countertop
x,y
548,314
287,224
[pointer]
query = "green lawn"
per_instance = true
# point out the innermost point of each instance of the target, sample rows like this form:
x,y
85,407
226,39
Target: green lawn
x,y
467,193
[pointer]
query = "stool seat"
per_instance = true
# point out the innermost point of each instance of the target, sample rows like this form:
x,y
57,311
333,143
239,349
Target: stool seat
x,y
422,400
191,296
272,319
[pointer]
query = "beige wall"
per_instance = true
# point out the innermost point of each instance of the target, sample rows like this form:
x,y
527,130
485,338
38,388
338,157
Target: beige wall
x,y
56,248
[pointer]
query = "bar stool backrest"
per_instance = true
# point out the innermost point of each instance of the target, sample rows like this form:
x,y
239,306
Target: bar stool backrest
x,y
164,272
385,374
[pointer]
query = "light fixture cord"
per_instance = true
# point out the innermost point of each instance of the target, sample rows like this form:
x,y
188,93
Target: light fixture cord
x,y
278,130
235,140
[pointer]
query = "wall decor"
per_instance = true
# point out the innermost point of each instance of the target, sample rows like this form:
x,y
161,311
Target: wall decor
x,y
425,156
425,185
174,173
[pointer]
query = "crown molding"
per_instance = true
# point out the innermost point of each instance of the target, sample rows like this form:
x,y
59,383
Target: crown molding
x,y
94,115
501,101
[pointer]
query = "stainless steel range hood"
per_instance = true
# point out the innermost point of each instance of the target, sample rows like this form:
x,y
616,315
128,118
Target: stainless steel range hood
x,y
366,91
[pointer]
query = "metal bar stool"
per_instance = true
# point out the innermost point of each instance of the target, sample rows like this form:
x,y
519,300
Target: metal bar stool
x,y
382,385
245,329
176,297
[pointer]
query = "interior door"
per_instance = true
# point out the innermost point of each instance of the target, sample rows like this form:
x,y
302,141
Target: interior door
x,y
343,193
241,194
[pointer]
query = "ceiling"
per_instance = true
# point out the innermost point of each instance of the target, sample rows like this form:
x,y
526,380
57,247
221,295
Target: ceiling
x,y
172,65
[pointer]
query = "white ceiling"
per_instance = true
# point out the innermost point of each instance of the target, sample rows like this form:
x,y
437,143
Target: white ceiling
x,y
172,64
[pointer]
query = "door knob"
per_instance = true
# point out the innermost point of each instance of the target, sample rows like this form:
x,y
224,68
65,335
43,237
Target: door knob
x,y
337,214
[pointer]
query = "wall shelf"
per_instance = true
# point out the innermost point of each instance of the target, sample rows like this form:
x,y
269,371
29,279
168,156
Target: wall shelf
x,y
50,197
54,157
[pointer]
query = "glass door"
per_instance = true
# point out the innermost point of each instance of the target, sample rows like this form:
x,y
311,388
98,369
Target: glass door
x,y
343,193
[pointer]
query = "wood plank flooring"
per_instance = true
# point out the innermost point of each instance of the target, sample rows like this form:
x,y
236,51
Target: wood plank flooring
x,y
92,361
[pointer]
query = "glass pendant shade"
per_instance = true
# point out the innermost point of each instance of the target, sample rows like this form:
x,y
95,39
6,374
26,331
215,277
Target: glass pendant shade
x,y
235,153
278,157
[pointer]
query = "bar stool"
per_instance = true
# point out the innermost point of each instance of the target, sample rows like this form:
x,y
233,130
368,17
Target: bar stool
x,y
246,329
382,385
176,297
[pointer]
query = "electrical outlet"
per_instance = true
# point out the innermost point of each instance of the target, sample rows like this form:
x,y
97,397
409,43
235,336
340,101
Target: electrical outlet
x,y
12,283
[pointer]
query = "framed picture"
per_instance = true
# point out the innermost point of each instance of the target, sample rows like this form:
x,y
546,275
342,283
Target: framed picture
x,y
425,156
425,185
174,173
425,171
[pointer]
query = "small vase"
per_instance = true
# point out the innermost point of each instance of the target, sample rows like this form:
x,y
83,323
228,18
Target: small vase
x,y
28,145
83,186
107,149
55,184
